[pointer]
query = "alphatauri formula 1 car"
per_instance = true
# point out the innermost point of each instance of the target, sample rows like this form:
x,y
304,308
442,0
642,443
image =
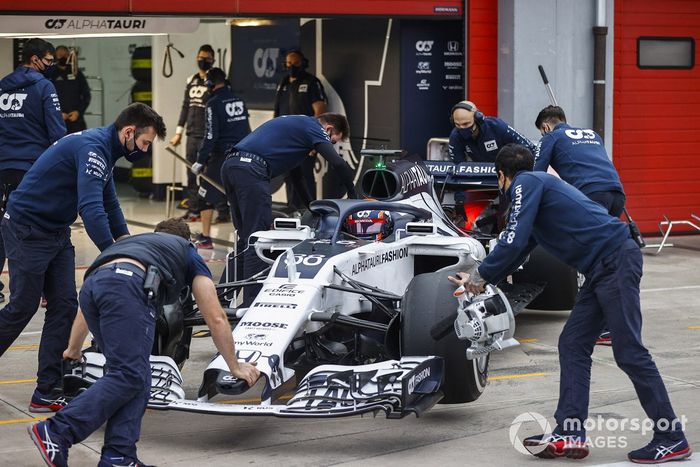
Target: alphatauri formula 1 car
x,y
363,325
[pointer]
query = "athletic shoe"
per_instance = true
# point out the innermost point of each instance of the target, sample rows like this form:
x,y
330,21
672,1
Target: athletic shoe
x,y
43,403
605,338
191,217
107,461
657,452
549,446
53,453
203,242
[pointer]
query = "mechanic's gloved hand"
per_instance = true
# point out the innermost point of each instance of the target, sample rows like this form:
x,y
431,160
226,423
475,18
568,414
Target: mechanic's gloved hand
x,y
472,282
197,168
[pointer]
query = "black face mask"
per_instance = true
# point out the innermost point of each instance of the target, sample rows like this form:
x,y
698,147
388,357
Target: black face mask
x,y
62,61
204,64
295,71
136,154
468,133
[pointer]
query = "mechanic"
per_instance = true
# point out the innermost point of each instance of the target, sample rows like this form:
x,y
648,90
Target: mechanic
x,y
31,120
546,210
73,176
72,88
579,157
226,124
277,146
300,93
120,313
478,138
191,121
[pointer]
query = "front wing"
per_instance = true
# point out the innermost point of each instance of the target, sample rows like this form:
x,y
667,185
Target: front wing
x,y
396,387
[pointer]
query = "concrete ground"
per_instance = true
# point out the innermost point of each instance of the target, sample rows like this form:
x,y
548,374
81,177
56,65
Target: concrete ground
x,y
523,380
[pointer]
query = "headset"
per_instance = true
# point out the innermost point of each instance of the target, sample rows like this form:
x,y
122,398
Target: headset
x,y
466,106
304,60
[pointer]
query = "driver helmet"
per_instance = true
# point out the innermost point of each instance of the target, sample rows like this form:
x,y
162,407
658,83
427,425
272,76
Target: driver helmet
x,y
373,225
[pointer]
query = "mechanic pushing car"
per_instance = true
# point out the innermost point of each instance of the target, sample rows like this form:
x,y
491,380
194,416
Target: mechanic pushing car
x,y
191,122
226,124
73,176
579,157
478,138
277,146
548,211
31,119
124,287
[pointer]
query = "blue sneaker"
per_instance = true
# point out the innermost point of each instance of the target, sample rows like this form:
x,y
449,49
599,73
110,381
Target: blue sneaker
x,y
51,450
658,451
46,403
551,445
120,461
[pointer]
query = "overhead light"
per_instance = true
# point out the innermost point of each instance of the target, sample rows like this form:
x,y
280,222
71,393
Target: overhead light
x,y
248,22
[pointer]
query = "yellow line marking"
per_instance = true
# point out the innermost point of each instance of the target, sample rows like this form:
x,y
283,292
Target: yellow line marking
x,y
693,327
524,375
22,420
23,347
528,341
18,381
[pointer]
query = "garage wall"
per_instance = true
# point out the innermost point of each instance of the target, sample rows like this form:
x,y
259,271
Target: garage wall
x,y
657,114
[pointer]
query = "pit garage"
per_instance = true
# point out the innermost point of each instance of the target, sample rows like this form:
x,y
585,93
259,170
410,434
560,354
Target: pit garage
x,y
375,73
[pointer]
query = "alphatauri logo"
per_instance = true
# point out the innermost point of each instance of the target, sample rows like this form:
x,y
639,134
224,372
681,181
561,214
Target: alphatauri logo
x,y
234,108
12,101
55,23
265,62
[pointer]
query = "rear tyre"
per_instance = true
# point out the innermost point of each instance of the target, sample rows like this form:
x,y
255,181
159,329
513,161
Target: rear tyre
x,y
428,300
562,281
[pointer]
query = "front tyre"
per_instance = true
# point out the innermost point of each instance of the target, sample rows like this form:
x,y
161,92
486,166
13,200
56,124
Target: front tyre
x,y
427,301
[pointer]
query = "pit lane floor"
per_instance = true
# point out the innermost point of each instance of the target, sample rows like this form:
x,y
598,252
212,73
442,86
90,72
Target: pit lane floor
x,y
523,380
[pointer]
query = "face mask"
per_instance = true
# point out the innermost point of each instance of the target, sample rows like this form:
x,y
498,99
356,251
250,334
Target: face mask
x,y
49,71
294,71
136,154
204,64
467,133
62,61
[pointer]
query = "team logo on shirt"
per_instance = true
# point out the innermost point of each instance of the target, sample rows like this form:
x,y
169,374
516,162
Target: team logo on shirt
x,y
303,88
196,92
491,145
234,108
13,101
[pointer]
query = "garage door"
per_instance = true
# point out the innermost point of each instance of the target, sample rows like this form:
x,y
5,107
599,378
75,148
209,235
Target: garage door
x,y
656,118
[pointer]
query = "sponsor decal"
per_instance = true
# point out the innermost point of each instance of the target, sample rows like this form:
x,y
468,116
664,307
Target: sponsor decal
x,y
265,62
303,88
580,134
196,92
263,324
423,85
95,165
95,24
248,356
423,68
418,378
285,290
513,222
254,343
290,306
424,46
452,65
445,9
256,337
379,259
453,46
413,179
453,77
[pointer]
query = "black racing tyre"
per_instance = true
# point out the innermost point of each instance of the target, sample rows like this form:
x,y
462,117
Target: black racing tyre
x,y
427,301
562,281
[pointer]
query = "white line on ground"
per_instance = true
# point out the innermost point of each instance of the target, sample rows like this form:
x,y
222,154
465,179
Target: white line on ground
x,y
665,289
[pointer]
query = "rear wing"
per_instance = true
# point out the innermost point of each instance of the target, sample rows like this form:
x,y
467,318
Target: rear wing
x,y
465,173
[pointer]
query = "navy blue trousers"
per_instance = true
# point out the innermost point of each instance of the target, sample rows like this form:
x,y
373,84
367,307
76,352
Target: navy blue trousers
x,y
122,320
610,294
247,187
40,261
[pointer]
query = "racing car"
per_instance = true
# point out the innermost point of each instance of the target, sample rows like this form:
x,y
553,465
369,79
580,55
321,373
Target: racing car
x,y
355,309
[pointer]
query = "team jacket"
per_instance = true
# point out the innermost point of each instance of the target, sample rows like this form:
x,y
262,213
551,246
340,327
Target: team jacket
x,y
192,112
284,142
74,176
494,133
578,155
30,118
548,211
296,98
73,91
227,123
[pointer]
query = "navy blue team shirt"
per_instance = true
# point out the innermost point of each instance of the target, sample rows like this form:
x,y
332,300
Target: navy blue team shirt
x,y
30,117
579,157
226,123
494,133
74,176
285,142
547,211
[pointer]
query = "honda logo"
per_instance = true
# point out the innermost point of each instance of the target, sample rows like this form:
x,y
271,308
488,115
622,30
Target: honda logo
x,y
453,46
